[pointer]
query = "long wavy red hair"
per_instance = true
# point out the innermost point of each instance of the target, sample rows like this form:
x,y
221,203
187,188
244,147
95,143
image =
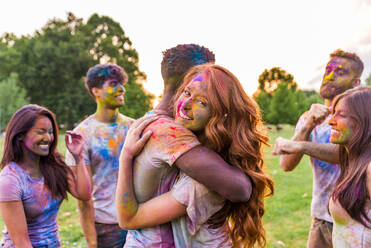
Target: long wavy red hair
x,y
234,131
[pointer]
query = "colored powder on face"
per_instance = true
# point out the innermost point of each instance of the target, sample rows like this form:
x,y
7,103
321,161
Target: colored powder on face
x,y
344,133
110,90
126,194
198,78
180,103
345,69
329,76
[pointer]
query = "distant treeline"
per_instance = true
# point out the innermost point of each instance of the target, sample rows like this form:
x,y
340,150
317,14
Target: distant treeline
x,y
48,68
280,99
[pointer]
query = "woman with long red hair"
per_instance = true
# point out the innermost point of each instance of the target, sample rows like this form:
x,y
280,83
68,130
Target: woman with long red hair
x,y
34,179
350,203
212,103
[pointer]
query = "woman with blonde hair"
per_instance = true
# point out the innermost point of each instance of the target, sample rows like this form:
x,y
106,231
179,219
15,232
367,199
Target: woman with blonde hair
x,y
212,103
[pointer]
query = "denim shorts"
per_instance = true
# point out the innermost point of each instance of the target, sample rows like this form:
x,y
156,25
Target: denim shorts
x,y
110,235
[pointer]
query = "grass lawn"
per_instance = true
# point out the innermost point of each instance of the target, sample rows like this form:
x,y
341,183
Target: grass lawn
x,y
287,217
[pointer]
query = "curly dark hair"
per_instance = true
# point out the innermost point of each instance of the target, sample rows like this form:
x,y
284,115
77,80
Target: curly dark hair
x,y
178,60
98,74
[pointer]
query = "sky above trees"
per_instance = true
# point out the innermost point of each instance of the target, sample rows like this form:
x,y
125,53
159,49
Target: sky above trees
x,y
246,36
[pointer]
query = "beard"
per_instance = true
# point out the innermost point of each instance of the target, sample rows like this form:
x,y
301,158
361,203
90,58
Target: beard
x,y
329,91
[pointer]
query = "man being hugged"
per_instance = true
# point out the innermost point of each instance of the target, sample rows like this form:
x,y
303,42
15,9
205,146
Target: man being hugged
x,y
172,147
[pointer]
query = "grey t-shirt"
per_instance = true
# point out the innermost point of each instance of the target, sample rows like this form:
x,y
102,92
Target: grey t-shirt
x,y
103,143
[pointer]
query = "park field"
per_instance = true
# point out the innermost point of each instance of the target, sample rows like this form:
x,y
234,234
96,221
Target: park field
x,y
287,216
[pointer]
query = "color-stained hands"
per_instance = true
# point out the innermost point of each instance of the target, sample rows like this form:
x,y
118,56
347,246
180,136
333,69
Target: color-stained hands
x,y
285,146
135,139
316,115
74,143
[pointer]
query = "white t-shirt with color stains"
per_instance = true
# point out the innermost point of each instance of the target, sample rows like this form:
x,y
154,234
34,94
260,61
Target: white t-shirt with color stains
x,y
103,144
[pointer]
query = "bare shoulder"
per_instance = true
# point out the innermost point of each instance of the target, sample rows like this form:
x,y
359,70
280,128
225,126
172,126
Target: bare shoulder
x,y
304,115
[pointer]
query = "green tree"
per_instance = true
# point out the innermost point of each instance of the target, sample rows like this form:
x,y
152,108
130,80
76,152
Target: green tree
x,y
270,79
368,80
280,99
9,57
304,99
12,97
268,83
263,99
283,107
52,63
51,68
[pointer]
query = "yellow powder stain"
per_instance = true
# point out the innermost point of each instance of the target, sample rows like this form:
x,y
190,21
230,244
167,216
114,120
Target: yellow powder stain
x,y
110,90
329,76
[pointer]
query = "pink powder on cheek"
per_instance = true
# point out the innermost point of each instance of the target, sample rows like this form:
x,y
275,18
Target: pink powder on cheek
x,y
180,103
